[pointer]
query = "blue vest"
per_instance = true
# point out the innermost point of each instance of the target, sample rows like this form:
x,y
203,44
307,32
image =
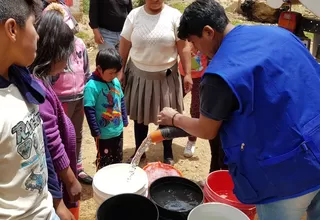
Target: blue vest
x,y
272,143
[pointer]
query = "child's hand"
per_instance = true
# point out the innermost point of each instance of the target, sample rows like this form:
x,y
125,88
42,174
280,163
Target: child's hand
x,y
73,186
62,211
74,190
126,124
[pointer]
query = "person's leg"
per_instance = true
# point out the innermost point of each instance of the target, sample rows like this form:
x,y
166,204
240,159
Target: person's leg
x,y
167,150
215,144
289,209
195,113
77,120
111,39
140,133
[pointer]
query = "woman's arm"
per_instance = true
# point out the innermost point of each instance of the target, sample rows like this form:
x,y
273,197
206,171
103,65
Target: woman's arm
x,y
56,148
124,49
184,51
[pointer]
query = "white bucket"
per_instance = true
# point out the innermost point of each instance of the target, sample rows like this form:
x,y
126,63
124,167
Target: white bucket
x,y
216,211
113,180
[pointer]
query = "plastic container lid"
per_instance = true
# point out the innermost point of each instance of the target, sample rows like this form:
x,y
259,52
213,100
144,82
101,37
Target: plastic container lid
x,y
113,180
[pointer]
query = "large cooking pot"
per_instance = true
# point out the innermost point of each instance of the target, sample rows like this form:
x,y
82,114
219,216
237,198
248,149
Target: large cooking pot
x,y
175,197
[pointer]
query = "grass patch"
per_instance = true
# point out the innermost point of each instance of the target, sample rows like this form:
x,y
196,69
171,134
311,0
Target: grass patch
x,y
84,36
86,4
237,22
309,35
179,5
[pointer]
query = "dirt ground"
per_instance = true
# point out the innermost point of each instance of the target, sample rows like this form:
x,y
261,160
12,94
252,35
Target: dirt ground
x,y
195,168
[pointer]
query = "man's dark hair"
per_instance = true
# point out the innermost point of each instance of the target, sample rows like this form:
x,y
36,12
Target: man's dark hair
x,y
199,14
55,44
19,10
109,59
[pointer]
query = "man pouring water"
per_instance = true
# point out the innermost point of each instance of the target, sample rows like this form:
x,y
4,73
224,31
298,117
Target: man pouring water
x,y
261,93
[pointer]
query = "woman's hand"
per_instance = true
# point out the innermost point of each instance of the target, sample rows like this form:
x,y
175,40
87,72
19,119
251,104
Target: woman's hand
x,y
187,83
122,78
62,211
97,36
165,117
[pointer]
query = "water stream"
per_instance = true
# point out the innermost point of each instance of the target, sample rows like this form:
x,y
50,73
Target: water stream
x,y
137,157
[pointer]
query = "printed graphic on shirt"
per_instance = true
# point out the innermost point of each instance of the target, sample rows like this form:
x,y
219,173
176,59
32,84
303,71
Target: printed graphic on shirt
x,y
29,142
196,64
112,113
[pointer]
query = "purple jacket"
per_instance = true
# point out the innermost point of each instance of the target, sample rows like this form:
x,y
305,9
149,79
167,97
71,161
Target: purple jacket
x,y
60,133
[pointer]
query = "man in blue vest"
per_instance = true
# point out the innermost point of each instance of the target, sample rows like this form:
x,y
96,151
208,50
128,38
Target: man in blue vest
x,y
261,92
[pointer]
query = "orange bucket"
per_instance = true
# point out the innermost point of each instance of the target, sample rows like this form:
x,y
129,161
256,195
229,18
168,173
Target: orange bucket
x,y
157,170
76,211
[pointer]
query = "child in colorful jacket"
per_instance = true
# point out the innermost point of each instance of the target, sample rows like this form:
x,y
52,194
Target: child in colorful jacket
x,y
105,109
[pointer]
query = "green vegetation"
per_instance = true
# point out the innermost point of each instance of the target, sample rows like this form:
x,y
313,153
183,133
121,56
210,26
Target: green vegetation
x,y
179,5
86,4
83,35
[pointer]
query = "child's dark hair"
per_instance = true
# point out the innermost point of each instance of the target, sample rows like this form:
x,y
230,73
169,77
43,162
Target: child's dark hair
x,y
56,43
109,59
19,10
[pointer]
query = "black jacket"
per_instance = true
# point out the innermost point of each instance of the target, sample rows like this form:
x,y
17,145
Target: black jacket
x,y
109,14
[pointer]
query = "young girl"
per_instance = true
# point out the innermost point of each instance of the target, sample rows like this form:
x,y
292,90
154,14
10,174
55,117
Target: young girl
x,y
199,63
105,109
55,45
69,86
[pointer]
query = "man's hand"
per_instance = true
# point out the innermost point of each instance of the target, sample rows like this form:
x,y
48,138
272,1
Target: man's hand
x,y
97,36
62,211
166,115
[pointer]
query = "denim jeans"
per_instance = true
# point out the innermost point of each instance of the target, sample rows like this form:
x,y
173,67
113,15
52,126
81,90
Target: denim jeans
x,y
111,39
292,209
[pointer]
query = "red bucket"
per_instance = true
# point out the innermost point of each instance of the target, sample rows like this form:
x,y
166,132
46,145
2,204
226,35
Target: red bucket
x,y
76,211
219,188
157,170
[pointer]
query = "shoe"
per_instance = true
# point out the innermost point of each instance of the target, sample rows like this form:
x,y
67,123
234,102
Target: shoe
x,y
169,161
84,178
189,149
143,157
201,183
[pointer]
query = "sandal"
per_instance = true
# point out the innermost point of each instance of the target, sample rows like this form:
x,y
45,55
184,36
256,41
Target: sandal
x,y
84,178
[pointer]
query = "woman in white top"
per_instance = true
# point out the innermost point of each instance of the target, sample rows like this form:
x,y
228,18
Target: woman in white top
x,y
152,78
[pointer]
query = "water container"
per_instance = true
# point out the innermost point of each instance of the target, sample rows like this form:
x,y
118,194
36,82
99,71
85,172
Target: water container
x,y
157,170
216,211
115,179
127,206
219,188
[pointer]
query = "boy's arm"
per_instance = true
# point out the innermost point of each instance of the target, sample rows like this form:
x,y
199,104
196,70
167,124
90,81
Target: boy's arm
x,y
124,113
90,95
92,121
